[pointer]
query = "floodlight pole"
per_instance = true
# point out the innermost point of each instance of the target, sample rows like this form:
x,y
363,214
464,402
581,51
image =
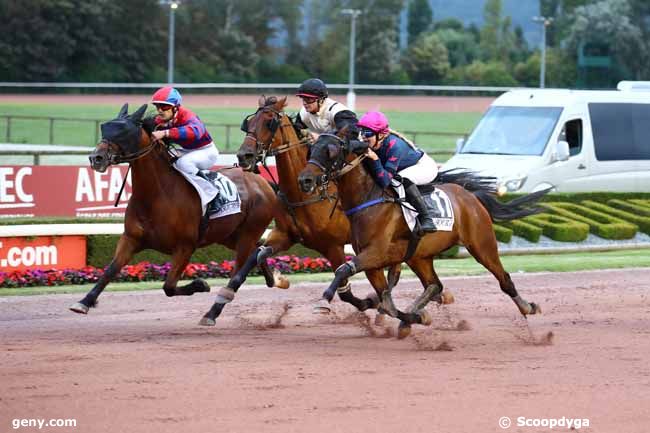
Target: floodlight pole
x,y
545,22
354,13
173,5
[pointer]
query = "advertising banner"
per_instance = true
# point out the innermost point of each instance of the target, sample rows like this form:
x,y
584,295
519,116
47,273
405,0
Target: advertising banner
x,y
66,191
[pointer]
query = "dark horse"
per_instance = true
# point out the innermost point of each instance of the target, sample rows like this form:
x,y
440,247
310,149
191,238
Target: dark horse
x,y
315,222
165,213
381,237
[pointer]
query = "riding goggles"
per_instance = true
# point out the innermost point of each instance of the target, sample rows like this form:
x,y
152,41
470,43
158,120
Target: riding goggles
x,y
367,133
308,100
163,107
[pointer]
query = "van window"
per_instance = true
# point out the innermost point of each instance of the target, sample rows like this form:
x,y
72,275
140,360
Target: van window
x,y
572,134
620,131
513,131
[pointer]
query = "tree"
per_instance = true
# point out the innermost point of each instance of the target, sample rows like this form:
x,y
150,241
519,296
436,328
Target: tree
x,y
461,46
420,17
609,23
426,60
497,40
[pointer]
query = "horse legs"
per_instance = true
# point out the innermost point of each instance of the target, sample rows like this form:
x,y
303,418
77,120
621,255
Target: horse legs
x,y
336,256
180,259
245,260
125,249
486,253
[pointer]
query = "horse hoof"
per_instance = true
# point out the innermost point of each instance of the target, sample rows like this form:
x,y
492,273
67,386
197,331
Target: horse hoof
x,y
403,330
279,280
322,307
79,308
425,318
447,297
380,319
206,321
535,309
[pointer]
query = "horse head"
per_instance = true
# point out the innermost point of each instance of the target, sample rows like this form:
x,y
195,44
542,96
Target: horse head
x,y
261,130
329,155
122,139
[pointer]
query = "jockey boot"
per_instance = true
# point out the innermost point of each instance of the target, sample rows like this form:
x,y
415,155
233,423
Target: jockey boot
x,y
425,218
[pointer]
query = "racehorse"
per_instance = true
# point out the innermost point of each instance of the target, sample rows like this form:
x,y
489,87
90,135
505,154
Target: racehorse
x,y
315,222
165,212
382,238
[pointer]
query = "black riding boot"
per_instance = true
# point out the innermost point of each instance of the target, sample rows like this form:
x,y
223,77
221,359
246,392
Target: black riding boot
x,y
425,218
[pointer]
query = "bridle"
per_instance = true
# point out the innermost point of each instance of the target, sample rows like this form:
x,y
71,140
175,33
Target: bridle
x,y
340,166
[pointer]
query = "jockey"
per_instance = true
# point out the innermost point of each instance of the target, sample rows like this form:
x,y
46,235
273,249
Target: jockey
x,y
391,154
321,114
181,126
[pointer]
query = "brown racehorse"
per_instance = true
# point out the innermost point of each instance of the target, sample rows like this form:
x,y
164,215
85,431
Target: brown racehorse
x,y
317,223
165,213
382,237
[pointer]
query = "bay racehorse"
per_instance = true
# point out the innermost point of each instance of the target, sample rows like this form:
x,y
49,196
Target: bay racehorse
x,y
382,238
164,212
315,222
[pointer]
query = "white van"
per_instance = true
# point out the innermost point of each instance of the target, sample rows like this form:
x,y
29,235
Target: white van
x,y
571,140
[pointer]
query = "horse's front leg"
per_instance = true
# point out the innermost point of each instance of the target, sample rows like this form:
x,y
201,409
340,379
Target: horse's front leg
x,y
180,259
126,248
336,256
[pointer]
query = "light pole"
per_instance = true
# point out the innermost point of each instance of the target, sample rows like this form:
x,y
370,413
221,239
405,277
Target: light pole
x,y
354,13
173,5
545,22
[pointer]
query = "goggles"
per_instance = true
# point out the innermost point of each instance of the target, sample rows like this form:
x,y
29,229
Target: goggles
x,y
367,133
163,107
308,100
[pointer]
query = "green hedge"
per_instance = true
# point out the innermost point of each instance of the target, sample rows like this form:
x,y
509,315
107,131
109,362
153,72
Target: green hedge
x,y
524,229
503,234
560,228
601,224
643,222
100,250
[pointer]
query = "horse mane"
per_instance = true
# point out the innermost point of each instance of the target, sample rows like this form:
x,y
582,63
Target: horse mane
x,y
149,124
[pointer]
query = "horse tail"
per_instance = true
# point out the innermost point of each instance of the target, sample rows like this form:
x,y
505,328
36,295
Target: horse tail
x,y
485,188
513,209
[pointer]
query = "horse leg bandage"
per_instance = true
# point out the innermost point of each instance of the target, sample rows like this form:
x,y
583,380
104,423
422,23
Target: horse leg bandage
x,y
225,295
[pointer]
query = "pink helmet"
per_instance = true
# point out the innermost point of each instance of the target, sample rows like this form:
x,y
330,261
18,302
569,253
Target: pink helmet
x,y
375,121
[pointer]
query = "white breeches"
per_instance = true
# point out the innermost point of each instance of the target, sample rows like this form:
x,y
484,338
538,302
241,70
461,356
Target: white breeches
x,y
423,172
193,160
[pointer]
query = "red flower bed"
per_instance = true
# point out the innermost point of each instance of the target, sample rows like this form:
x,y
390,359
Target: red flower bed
x,y
145,271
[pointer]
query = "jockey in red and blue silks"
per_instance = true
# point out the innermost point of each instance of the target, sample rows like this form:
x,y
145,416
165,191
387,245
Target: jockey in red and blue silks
x,y
390,154
183,127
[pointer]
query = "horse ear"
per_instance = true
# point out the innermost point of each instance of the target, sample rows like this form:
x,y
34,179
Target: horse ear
x,y
124,111
282,102
261,101
137,116
358,147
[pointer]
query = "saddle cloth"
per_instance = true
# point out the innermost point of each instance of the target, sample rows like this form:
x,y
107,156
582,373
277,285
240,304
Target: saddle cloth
x,y
221,189
437,201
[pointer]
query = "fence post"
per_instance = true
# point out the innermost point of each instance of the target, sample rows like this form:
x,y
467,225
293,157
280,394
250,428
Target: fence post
x,y
51,131
8,129
96,132
227,137
37,159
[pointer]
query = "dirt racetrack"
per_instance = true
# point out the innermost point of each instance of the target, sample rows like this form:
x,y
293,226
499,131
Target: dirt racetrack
x,y
139,362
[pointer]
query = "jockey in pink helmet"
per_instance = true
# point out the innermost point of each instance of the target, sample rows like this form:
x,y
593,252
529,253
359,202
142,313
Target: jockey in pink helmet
x,y
181,126
391,155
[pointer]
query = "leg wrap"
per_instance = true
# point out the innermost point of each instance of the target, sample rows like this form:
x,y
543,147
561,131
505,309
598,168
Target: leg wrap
x,y
344,289
225,295
263,253
346,270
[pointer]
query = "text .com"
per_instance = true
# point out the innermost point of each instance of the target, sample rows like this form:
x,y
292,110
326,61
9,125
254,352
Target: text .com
x,y
44,255
40,423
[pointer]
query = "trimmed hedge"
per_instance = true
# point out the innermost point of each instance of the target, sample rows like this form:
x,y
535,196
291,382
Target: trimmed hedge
x,y
503,234
524,229
560,228
600,224
642,221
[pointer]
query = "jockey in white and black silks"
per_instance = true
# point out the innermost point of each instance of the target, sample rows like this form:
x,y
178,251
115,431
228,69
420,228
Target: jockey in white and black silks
x,y
183,127
320,113
390,155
